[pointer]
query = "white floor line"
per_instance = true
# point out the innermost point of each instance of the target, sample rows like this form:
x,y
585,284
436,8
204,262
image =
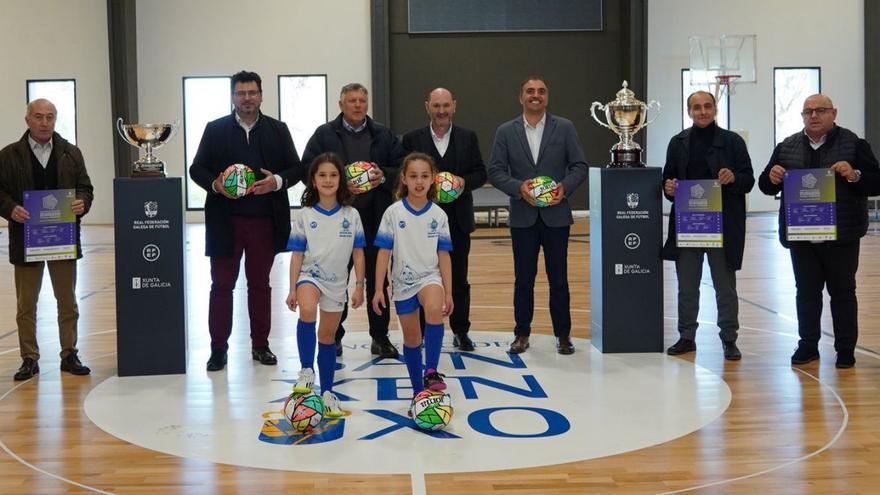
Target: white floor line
x,y
15,349
23,462
825,447
418,484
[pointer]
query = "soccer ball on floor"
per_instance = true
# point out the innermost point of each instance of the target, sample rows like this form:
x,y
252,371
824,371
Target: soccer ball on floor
x,y
358,175
544,190
238,180
304,411
431,411
449,187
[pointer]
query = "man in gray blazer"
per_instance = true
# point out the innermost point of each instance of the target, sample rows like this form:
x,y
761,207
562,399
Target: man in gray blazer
x,y
534,144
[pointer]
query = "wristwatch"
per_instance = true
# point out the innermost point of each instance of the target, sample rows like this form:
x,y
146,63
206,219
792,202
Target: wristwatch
x,y
858,174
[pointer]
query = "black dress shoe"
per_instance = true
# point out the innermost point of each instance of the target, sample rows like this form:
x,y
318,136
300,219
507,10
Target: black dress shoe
x,y
384,348
520,344
463,342
731,351
683,346
845,360
72,365
264,355
29,368
217,361
564,345
803,355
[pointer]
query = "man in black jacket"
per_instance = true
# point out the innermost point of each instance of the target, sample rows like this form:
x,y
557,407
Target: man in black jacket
x,y
354,136
256,225
832,264
456,150
706,151
40,160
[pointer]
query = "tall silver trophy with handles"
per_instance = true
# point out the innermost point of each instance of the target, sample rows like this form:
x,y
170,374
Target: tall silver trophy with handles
x,y
625,116
148,137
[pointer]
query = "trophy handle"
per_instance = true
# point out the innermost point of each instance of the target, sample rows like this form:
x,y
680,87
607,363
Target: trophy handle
x,y
653,103
120,128
600,106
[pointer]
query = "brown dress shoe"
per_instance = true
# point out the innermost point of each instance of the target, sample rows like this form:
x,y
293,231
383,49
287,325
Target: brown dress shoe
x,y
564,345
520,344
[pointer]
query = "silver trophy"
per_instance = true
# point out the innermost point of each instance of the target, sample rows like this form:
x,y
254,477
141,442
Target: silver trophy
x,y
149,137
625,116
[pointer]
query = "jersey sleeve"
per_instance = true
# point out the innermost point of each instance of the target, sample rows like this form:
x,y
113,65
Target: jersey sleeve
x,y
444,241
297,240
360,240
385,235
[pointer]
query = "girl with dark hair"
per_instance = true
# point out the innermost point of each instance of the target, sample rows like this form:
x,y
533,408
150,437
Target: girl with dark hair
x,y
325,233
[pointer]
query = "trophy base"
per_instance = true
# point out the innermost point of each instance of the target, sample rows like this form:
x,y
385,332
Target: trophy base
x,y
138,174
621,158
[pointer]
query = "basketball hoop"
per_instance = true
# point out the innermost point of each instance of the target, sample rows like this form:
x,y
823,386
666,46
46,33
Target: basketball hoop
x,y
725,83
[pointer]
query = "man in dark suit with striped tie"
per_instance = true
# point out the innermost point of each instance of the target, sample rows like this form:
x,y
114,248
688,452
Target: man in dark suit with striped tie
x,y
455,150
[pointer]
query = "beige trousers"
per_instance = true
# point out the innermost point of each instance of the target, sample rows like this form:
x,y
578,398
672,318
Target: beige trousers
x,y
28,281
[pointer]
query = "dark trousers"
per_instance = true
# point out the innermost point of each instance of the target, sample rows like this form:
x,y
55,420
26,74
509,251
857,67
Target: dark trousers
x,y
689,269
527,243
378,323
252,236
832,265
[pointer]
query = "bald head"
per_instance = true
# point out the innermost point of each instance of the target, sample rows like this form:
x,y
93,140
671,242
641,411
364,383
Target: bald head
x,y
819,115
440,106
40,119
41,105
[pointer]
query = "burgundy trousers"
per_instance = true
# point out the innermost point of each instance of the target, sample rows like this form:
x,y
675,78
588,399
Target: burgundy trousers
x,y
252,237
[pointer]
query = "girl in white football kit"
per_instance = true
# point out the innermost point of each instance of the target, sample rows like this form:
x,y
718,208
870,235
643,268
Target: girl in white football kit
x,y
325,233
414,233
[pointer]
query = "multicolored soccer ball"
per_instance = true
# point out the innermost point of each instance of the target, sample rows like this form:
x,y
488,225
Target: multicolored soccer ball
x,y
358,175
544,190
449,187
304,411
431,411
238,180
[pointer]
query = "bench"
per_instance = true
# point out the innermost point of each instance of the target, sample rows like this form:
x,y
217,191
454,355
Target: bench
x,y
490,200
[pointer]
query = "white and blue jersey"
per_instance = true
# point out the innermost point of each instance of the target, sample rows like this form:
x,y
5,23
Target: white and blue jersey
x,y
327,239
414,238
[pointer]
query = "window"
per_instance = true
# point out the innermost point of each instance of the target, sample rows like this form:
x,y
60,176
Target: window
x,y
204,99
791,86
723,116
302,105
62,93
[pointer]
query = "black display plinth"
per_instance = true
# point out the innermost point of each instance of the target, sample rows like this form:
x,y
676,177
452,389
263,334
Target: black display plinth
x,y
626,272
150,296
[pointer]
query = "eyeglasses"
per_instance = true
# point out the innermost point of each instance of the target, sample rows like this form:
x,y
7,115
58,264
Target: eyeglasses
x,y
818,111
243,94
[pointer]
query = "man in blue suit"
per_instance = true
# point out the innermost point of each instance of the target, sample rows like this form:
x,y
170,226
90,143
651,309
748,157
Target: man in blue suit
x,y
534,144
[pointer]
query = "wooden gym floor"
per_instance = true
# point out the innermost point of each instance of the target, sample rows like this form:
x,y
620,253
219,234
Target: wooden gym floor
x,y
805,430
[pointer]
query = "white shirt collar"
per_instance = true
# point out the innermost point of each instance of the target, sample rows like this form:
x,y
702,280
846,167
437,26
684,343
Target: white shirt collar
x,y
816,144
39,146
539,124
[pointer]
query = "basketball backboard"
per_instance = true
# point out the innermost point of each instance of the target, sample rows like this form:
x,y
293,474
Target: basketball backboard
x,y
719,60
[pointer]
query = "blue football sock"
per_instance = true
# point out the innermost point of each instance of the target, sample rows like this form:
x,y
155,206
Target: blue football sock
x,y
305,343
326,365
413,358
433,344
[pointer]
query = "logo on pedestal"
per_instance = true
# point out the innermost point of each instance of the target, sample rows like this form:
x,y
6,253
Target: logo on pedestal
x,y
632,241
632,200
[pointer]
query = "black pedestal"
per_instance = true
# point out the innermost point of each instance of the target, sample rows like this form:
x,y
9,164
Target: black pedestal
x,y
626,272
150,296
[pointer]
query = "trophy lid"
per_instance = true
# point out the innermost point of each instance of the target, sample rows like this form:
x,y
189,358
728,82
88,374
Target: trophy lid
x,y
626,97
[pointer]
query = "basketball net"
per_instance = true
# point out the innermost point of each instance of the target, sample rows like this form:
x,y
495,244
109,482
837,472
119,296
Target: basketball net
x,y
725,84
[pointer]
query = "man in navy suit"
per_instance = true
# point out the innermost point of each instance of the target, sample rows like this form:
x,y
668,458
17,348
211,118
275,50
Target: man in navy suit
x,y
456,150
256,225
534,144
